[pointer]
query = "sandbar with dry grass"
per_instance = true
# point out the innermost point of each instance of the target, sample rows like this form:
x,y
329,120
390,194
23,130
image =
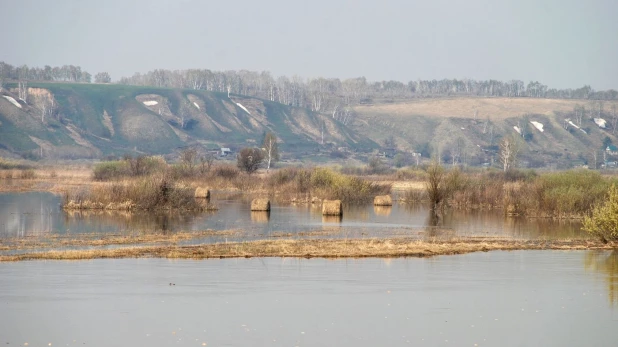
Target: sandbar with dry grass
x,y
97,239
320,248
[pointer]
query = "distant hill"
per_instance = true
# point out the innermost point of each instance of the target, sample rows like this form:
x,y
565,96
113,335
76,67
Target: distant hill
x,y
73,120
471,128
62,120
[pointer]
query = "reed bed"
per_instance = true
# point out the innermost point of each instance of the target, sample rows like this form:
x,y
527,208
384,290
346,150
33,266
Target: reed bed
x,y
286,183
566,194
148,193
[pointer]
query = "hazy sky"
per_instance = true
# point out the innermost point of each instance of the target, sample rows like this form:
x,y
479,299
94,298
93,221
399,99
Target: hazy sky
x,y
562,43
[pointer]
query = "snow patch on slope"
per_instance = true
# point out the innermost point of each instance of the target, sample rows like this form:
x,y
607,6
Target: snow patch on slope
x,y
151,103
13,101
573,124
537,125
600,122
241,106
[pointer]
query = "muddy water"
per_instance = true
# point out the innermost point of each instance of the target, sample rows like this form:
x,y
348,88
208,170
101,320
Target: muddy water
x,y
523,298
30,214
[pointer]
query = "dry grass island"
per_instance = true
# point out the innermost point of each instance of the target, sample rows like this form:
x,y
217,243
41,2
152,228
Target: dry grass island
x,y
312,248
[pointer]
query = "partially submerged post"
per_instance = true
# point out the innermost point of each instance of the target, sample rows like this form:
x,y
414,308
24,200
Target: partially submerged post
x,y
260,205
202,193
383,200
332,208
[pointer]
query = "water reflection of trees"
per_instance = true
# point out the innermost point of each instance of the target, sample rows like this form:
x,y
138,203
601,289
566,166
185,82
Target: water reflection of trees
x,y
80,221
606,264
435,226
495,223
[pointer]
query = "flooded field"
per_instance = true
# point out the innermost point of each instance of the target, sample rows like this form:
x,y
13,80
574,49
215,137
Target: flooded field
x,y
31,214
499,298
521,298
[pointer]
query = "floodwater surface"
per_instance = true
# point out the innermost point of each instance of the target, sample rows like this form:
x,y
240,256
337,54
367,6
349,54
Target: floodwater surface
x,y
521,298
37,213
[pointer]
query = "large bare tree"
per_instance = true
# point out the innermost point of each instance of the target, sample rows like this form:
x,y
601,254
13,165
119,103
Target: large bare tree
x,y
271,149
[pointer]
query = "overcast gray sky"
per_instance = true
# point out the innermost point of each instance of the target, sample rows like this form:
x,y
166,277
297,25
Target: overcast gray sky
x,y
562,43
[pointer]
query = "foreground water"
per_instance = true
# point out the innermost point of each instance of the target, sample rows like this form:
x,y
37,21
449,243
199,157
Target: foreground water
x,y
523,298
30,214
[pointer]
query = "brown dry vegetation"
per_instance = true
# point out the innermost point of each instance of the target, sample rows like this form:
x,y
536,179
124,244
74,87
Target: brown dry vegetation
x,y
496,108
287,184
562,195
95,240
52,179
156,192
354,248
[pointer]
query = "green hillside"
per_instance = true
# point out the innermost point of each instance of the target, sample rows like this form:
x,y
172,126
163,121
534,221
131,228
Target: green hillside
x,y
95,120
62,120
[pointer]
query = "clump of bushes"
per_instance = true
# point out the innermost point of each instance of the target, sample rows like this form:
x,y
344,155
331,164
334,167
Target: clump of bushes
x,y
156,192
332,185
128,167
7,164
324,183
110,170
375,166
574,191
283,176
441,185
410,174
603,221
250,159
226,171
567,194
27,174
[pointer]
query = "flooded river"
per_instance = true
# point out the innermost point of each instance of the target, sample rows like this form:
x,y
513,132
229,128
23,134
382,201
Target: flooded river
x,y
30,214
521,298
